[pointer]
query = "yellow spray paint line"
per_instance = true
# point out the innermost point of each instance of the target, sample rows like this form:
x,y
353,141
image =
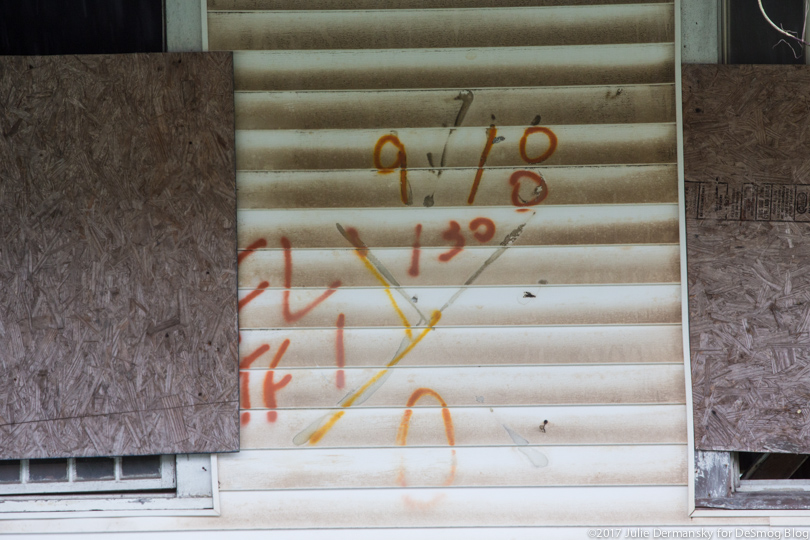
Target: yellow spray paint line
x,y
323,430
387,286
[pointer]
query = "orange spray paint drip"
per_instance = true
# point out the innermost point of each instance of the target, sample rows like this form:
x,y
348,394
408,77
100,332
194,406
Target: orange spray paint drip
x,y
449,430
340,355
492,132
414,269
251,248
401,163
294,316
323,430
253,294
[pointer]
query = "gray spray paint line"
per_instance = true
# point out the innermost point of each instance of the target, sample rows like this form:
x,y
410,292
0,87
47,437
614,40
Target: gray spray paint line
x,y
385,273
537,458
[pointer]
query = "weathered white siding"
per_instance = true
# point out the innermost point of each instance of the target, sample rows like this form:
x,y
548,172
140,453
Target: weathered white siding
x,y
553,381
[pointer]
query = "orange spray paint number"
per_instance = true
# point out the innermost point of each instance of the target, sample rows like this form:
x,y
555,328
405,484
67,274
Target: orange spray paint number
x,y
552,144
492,132
453,234
401,163
488,232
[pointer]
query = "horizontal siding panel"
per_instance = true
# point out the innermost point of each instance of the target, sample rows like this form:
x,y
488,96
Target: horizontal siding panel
x,y
455,147
517,266
455,107
297,5
652,506
466,387
479,346
614,184
479,426
621,304
455,68
457,467
441,28
560,225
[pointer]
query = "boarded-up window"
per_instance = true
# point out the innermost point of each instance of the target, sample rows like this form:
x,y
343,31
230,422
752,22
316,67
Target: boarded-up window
x,y
117,242
747,188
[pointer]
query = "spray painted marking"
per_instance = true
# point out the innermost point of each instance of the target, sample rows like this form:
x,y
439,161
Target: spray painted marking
x,y
251,248
414,269
290,316
253,294
401,162
340,355
492,132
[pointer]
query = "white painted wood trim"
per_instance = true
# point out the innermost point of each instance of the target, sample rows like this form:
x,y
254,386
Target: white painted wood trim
x,y
690,428
204,23
183,26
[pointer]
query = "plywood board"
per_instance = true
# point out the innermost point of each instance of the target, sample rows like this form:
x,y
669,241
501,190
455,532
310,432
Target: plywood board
x,y
747,159
118,329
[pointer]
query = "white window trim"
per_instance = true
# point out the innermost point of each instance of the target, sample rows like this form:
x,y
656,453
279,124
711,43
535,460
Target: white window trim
x,y
196,494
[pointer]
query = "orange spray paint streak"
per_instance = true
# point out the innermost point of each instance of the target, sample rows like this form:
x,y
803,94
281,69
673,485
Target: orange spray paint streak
x,y
323,430
290,316
253,294
552,144
489,229
251,248
491,133
401,162
271,387
414,269
340,358
244,388
249,359
453,234
362,252
449,431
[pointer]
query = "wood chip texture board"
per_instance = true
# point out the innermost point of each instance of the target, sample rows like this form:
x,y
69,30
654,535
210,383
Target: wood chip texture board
x,y
118,330
747,160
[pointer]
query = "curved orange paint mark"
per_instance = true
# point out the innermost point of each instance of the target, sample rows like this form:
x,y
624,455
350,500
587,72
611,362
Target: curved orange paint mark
x,y
489,229
453,234
537,179
400,163
449,430
552,144
251,248
492,131
293,316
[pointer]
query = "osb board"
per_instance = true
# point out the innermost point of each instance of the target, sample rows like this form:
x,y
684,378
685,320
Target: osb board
x,y
118,329
747,171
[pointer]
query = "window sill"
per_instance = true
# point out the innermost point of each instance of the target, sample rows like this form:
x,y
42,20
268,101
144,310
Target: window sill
x,y
196,497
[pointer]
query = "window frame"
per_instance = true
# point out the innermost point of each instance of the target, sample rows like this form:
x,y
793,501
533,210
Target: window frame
x,y
196,493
